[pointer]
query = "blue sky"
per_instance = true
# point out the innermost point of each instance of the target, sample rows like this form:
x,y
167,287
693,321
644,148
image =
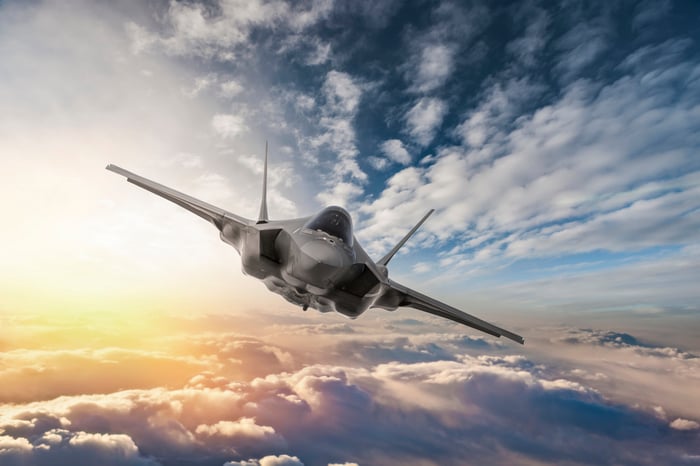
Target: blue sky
x,y
560,134
557,142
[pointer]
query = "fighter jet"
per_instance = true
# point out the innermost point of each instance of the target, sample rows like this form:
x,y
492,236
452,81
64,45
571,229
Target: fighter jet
x,y
314,261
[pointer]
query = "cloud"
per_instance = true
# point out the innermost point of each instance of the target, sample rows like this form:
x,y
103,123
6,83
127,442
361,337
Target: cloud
x,y
379,163
402,392
342,96
528,47
434,52
396,152
425,118
435,65
282,176
581,46
221,31
526,173
201,84
500,105
621,340
281,460
647,12
320,54
341,92
227,125
509,192
63,447
230,88
684,424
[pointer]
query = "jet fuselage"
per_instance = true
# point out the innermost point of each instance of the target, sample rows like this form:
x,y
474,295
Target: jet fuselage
x,y
314,261
309,267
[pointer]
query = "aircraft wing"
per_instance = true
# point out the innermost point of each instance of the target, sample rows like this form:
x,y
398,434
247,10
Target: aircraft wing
x,y
411,298
218,217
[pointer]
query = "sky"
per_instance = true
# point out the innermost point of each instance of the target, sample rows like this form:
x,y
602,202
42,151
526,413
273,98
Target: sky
x,y
557,142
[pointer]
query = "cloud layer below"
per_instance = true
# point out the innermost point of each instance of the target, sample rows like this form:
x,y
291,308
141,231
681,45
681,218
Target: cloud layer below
x,y
389,391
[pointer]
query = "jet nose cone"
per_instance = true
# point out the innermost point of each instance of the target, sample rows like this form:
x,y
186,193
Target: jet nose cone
x,y
323,252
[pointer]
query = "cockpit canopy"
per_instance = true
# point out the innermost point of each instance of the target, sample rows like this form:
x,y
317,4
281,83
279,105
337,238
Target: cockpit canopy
x,y
334,221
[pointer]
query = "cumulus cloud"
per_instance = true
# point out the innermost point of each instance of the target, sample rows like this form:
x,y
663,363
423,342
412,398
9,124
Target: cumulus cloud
x,y
60,446
401,392
684,424
281,460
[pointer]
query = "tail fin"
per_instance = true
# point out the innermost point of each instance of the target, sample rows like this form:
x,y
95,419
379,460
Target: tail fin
x,y
262,218
385,260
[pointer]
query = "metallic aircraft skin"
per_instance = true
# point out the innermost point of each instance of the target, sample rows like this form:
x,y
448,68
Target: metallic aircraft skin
x,y
314,261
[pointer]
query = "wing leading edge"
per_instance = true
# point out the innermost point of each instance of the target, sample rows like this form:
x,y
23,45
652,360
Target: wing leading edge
x,y
215,215
427,304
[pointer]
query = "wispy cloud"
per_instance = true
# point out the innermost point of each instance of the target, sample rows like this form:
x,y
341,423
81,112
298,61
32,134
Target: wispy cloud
x,y
424,119
341,100
573,176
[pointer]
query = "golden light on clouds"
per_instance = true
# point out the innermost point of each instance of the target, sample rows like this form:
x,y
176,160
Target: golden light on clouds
x,y
153,388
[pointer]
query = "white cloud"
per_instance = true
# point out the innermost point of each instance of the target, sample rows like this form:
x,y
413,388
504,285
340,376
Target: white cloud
x,y
574,176
396,152
379,163
227,125
342,95
684,424
230,88
340,194
201,84
424,118
499,106
435,65
378,380
222,33
305,102
271,460
244,427
63,447
341,92
320,54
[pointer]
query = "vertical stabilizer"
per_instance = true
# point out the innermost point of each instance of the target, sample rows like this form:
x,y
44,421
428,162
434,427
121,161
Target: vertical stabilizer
x,y
262,218
385,260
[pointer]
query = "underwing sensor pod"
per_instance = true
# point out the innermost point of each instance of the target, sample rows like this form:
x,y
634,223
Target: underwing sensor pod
x,y
314,261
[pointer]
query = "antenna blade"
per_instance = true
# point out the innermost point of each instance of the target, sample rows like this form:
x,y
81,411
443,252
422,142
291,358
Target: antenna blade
x,y
263,218
385,260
